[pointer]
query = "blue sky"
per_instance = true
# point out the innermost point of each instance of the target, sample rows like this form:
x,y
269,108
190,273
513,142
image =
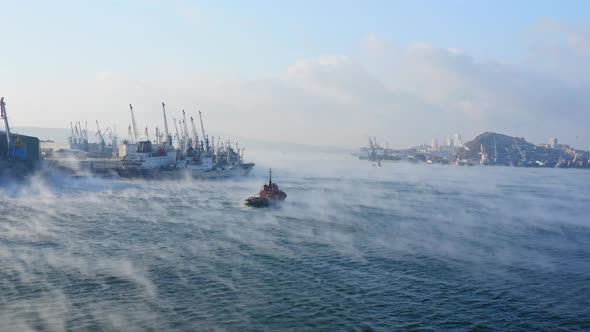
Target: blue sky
x,y
257,37
56,48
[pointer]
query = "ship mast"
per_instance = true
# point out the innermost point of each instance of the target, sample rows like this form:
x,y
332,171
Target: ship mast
x,y
133,123
5,117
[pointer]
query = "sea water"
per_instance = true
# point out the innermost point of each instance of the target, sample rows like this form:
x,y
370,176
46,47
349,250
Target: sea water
x,y
354,247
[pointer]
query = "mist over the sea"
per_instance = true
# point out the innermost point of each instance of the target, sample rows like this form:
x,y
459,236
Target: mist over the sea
x,y
354,247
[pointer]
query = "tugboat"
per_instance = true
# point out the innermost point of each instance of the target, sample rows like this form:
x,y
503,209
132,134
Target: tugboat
x,y
270,194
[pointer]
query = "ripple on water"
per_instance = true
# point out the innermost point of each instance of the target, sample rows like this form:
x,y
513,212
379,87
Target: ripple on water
x,y
413,249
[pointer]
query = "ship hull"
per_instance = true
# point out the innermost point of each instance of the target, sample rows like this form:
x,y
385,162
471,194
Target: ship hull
x,y
150,173
237,171
178,173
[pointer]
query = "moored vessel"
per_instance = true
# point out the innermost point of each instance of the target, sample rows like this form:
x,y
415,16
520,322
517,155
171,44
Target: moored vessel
x,y
269,195
191,157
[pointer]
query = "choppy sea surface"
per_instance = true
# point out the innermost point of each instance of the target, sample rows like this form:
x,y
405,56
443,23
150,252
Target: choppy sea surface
x,y
354,247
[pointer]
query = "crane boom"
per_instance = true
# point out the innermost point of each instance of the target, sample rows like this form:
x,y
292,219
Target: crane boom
x,y
202,127
184,124
130,134
177,135
72,133
495,149
99,133
80,132
133,123
77,135
182,133
165,122
518,147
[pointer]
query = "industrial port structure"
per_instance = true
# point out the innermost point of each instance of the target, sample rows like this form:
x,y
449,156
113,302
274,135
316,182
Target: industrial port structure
x,y
489,148
19,154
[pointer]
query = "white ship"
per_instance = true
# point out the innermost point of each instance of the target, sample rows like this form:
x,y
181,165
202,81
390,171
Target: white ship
x,y
143,160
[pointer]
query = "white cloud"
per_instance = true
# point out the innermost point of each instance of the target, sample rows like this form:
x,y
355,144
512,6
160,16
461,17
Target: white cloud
x,y
401,94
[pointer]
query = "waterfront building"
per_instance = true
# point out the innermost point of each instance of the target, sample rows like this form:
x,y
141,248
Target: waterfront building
x,y
434,144
457,140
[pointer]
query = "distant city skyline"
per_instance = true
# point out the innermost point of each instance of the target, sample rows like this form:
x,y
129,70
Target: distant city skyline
x,y
326,73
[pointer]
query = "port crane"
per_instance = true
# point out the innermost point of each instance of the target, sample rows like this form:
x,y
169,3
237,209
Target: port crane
x,y
195,135
178,136
100,135
522,154
495,149
205,138
79,138
112,135
5,117
373,147
130,133
185,134
72,137
182,134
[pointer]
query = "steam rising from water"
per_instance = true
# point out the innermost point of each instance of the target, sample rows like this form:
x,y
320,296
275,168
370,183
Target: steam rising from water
x,y
354,247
